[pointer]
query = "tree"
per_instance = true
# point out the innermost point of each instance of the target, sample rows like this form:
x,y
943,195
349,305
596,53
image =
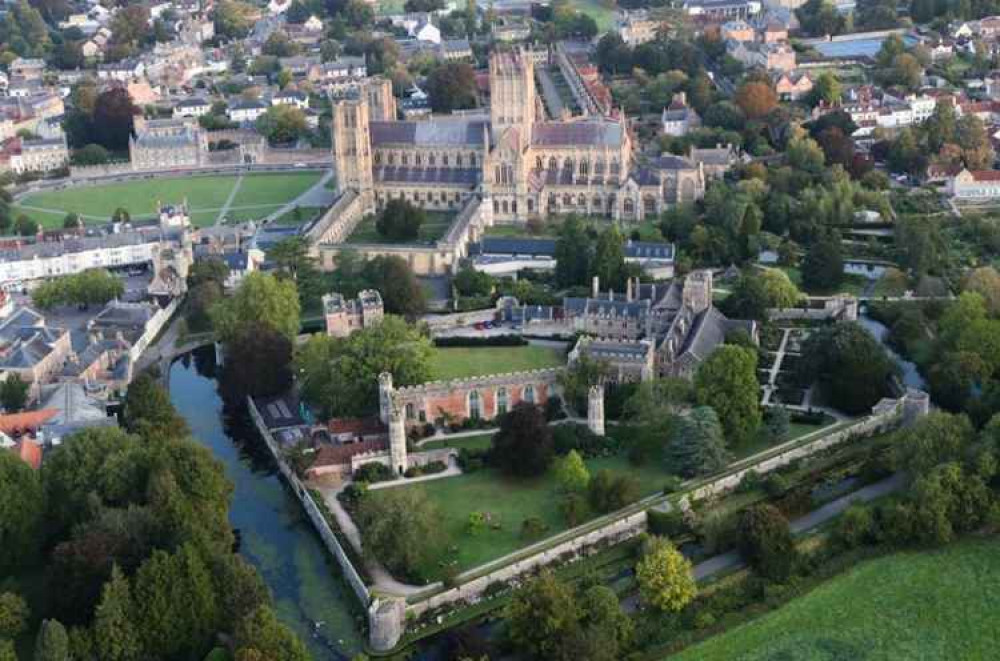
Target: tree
x,y
22,509
819,18
91,155
25,226
90,287
697,447
665,577
985,281
339,376
573,254
609,259
72,221
401,527
571,473
52,643
14,393
278,44
748,299
258,364
823,266
7,650
766,542
402,293
805,154
827,89
114,115
14,610
261,635
608,491
283,124
727,381
400,221
451,86
906,71
653,412
470,282
121,215
297,13
148,411
935,439
756,99
260,298
542,616
850,365
523,445
115,633
779,290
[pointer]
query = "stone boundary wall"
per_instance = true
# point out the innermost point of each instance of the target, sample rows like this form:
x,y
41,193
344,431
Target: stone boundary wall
x,y
313,512
877,422
547,376
458,319
153,327
840,308
577,547
105,170
337,223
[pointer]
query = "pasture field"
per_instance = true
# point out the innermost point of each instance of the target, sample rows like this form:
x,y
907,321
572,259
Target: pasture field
x,y
926,605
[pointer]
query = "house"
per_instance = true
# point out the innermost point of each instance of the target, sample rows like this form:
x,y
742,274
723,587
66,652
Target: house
x,y
193,107
792,85
678,118
721,9
123,71
773,32
456,49
313,24
637,27
42,155
23,67
246,111
427,31
291,98
32,350
714,161
975,185
344,316
73,409
342,68
738,30
772,57
27,450
510,30
241,263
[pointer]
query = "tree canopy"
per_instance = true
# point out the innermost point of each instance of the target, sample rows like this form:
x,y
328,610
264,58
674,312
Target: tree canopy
x,y
90,287
523,445
850,364
260,298
727,382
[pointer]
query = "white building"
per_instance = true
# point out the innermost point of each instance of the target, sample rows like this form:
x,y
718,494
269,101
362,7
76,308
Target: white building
x,y
192,108
291,98
42,155
975,185
246,111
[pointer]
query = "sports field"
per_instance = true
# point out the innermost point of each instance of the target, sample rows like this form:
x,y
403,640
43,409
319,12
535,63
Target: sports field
x,y
458,362
927,605
209,197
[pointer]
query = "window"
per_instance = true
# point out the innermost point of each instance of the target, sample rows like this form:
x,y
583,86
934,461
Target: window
x,y
392,159
475,405
416,159
552,163
501,401
506,208
378,158
531,205
528,394
444,159
411,411
538,163
430,160
458,160
405,159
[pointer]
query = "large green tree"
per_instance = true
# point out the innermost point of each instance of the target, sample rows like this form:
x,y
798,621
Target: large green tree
x,y
115,629
823,266
697,446
401,527
850,364
400,221
665,578
22,512
452,86
260,635
260,298
148,411
727,382
609,259
542,616
523,445
573,253
766,541
340,375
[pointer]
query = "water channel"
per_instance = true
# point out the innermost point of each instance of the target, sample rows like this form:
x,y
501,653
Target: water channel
x,y
275,535
909,374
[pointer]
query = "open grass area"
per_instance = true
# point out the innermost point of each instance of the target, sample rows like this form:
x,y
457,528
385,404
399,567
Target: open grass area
x,y
851,284
917,605
477,442
648,229
509,502
298,215
434,228
205,196
603,13
459,362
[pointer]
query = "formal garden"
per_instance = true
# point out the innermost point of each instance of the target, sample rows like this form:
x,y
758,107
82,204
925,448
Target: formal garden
x,y
402,223
258,195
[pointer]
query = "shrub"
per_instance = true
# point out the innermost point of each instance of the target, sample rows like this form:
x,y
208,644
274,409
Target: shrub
x,y
573,508
766,542
470,460
609,492
775,485
572,436
854,527
533,527
667,524
373,472
719,531
750,481
672,484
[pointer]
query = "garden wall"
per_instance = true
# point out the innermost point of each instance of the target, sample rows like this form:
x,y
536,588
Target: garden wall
x,y
313,511
839,308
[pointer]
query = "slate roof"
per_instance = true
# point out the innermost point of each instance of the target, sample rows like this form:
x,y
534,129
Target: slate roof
x,y
567,134
610,348
414,175
503,246
431,133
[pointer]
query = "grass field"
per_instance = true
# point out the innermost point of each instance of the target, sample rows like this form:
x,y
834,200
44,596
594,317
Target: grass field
x,y
929,606
648,230
509,502
458,362
603,13
206,196
851,284
434,228
477,442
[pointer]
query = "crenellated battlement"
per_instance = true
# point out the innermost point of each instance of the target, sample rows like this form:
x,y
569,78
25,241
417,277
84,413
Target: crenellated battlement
x,y
548,375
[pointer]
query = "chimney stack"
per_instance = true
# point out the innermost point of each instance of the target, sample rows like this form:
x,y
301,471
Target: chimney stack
x,y
595,287
628,290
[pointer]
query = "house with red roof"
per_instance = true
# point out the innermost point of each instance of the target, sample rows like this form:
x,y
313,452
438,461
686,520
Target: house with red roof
x,y
975,185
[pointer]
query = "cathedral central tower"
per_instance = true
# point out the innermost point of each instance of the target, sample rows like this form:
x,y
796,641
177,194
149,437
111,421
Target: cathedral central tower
x,y
512,94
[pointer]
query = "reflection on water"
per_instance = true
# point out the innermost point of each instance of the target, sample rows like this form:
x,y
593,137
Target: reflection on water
x,y
275,535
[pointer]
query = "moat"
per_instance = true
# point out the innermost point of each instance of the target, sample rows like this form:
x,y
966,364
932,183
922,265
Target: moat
x,y
275,535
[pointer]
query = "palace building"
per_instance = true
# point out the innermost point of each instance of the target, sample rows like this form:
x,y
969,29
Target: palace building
x,y
517,161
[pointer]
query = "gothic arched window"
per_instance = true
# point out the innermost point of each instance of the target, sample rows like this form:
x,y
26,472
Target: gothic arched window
x,y
528,394
501,401
475,405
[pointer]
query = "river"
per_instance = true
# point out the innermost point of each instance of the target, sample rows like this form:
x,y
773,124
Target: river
x,y
275,535
910,375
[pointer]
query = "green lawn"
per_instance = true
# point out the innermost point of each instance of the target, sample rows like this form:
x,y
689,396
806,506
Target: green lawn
x,y
602,12
648,230
205,195
459,362
851,284
274,188
299,215
434,228
238,215
478,442
509,502
930,605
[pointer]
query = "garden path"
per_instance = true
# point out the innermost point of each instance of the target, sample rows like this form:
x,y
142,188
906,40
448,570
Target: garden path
x,y
317,196
229,200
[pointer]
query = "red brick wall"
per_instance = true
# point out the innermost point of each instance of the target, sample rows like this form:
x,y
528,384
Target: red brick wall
x,y
455,403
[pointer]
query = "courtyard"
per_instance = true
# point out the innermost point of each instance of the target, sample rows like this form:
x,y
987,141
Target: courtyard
x,y
210,198
461,362
431,230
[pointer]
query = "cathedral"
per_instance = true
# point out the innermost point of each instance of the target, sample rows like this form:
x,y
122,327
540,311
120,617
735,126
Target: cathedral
x,y
516,160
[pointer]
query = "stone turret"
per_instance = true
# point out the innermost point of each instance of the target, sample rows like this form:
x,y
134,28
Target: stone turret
x,y
697,292
397,439
595,410
916,404
385,391
386,621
